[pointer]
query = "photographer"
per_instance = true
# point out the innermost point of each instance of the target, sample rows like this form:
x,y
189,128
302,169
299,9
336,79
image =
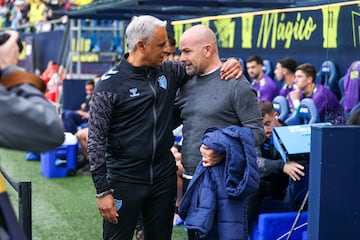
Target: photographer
x,y
29,121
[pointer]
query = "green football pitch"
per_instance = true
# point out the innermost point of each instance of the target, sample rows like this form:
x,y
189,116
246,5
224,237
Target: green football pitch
x,y
62,208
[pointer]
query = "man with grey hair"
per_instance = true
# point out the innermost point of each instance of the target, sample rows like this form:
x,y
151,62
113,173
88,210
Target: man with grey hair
x,y
130,135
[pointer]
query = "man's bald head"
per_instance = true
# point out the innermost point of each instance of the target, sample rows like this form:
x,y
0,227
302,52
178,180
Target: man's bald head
x,y
200,34
199,50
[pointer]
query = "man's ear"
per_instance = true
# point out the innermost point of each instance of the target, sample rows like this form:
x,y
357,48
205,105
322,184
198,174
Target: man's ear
x,y
285,71
276,115
140,45
208,50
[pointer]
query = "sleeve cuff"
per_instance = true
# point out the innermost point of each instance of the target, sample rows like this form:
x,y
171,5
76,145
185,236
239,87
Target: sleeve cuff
x,y
10,69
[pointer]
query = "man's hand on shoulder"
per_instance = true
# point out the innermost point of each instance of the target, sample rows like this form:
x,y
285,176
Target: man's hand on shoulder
x,y
231,69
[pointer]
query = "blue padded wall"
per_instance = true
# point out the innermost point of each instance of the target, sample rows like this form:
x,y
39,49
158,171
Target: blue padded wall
x,y
73,93
334,209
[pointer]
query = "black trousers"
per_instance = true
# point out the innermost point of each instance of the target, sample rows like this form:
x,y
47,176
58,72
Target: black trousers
x,y
156,203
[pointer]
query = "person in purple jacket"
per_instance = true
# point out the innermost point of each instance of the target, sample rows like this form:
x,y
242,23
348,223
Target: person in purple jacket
x,y
285,72
327,104
351,87
265,87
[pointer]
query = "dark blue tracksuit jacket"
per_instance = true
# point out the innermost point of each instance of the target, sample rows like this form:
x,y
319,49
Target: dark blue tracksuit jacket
x,y
215,202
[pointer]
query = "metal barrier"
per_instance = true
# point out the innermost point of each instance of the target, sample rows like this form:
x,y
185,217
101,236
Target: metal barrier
x,y
24,198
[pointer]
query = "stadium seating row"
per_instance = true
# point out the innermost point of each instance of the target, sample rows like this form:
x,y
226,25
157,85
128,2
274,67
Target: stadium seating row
x,y
327,75
307,111
345,88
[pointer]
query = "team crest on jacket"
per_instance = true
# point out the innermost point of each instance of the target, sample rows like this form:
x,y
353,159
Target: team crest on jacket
x,y
134,92
162,82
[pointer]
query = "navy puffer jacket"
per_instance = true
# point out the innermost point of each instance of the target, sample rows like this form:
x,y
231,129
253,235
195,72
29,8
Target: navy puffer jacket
x,y
216,199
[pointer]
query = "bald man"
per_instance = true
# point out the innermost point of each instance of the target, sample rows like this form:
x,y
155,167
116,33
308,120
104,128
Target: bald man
x,y
206,101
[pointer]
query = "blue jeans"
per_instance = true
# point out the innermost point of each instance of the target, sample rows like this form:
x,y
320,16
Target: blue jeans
x,y
72,121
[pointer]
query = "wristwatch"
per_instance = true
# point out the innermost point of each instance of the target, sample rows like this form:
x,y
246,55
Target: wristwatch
x,y
103,194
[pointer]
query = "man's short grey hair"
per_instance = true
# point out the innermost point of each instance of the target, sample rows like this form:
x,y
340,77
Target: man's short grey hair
x,y
141,28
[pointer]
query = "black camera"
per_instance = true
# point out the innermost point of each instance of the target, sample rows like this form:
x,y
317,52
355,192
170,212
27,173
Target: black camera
x,y
4,37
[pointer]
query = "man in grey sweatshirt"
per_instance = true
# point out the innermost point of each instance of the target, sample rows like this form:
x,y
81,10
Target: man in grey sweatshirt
x,y
207,101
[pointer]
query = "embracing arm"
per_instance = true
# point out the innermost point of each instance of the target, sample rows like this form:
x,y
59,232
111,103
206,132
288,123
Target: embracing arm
x,y
231,68
246,106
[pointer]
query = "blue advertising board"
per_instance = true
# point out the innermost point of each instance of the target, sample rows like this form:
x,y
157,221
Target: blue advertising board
x,y
308,34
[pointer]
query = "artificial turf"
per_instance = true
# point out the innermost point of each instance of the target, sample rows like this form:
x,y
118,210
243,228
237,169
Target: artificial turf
x,y
62,208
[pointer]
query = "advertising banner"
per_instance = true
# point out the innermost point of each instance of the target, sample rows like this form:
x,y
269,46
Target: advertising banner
x,y
308,34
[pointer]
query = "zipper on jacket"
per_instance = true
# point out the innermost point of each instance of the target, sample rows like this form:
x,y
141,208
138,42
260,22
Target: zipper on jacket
x,y
154,127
